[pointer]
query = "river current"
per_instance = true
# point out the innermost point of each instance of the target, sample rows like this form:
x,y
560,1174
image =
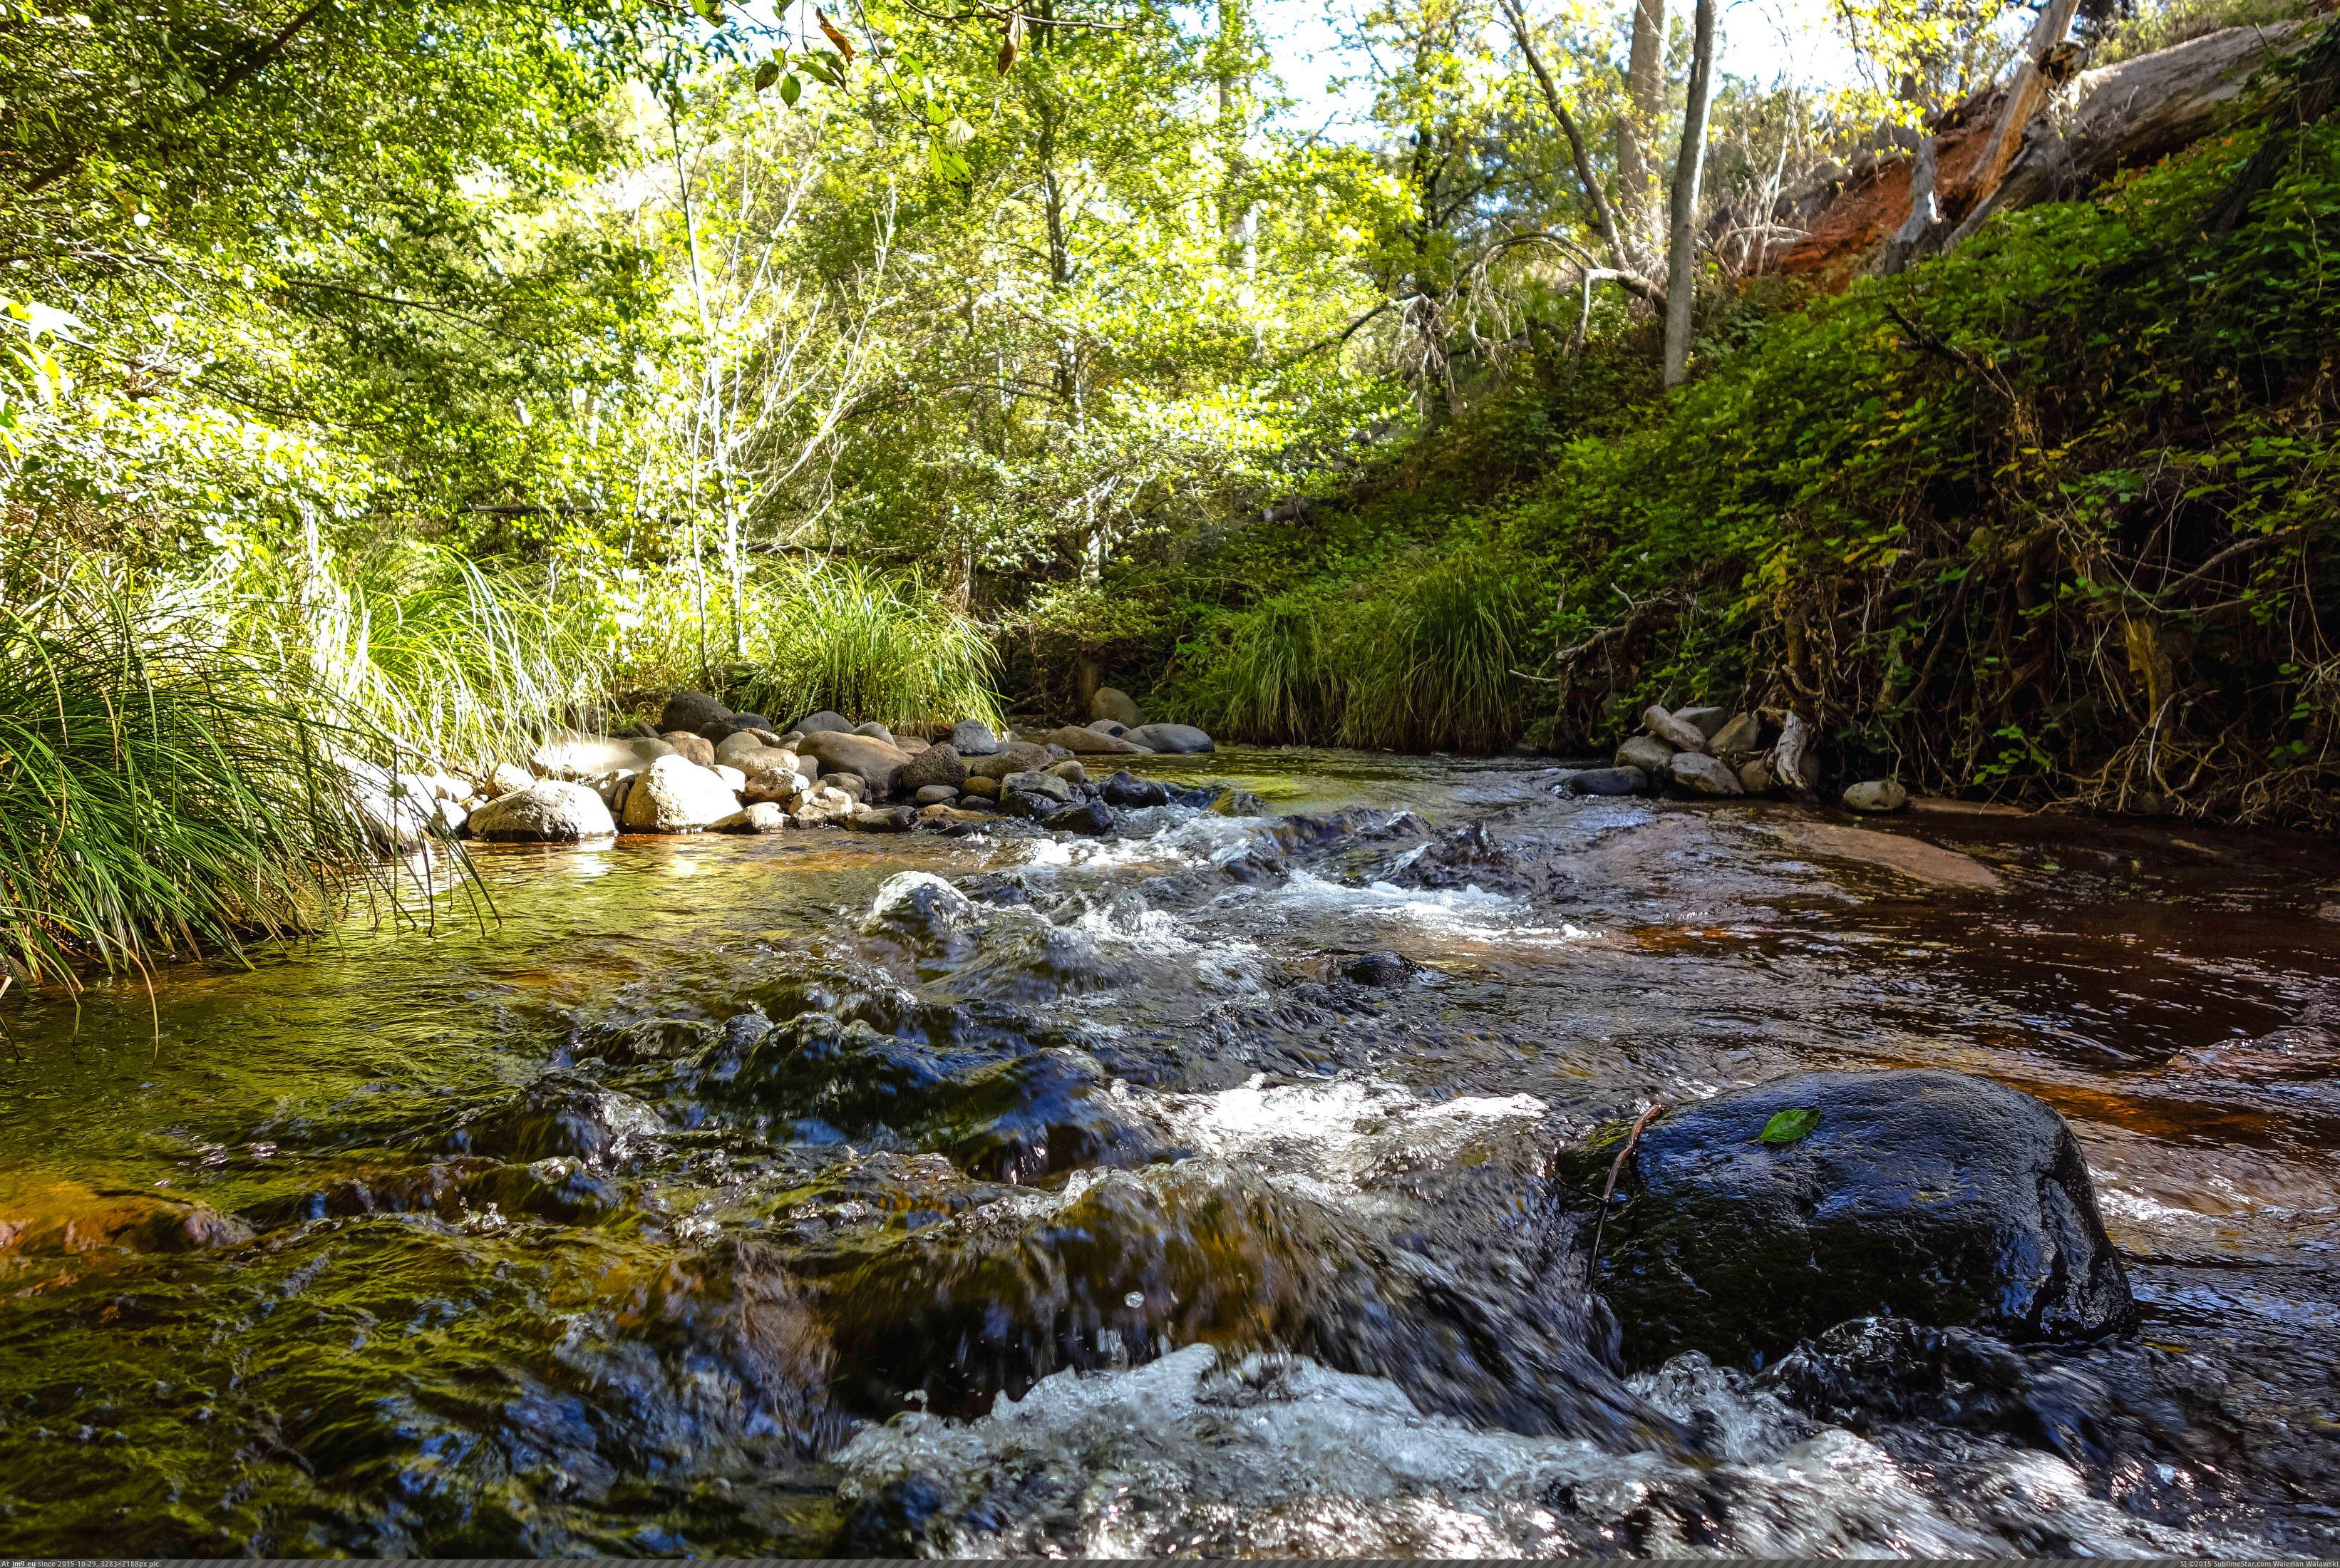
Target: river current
x,y
1188,1190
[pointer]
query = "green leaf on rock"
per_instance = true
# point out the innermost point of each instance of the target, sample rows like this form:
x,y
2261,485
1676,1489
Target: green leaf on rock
x,y
1789,1125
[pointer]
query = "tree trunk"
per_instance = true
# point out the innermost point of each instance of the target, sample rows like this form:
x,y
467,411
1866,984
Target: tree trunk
x,y
2025,94
1645,106
1681,247
1604,221
1925,213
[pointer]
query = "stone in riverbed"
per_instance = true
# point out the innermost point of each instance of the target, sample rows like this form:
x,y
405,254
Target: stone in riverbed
x,y
1082,741
1106,727
1681,737
574,760
1932,1195
1016,757
674,796
1755,777
973,738
1744,733
689,711
1707,721
874,759
883,819
1703,775
876,731
1647,752
1610,781
1876,796
1071,772
1114,703
1177,740
507,778
823,722
979,787
936,765
693,748
548,811
1090,817
1057,789
1127,789
759,817
935,795
852,784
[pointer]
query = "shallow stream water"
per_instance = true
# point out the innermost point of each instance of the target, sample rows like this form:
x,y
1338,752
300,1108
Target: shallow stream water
x,y
1184,1191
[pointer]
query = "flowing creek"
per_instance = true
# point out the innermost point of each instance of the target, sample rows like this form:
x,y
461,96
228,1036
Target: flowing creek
x,y
1184,1191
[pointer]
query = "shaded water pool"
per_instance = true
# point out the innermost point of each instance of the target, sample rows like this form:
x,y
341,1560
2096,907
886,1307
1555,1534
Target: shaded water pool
x,y
1181,1191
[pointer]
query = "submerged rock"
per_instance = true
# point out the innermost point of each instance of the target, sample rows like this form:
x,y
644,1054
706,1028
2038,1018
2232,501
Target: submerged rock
x,y
546,812
1933,1195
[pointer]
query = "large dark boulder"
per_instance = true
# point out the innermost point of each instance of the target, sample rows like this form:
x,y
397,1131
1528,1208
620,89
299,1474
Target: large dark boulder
x,y
689,711
1126,789
1932,1195
936,765
823,721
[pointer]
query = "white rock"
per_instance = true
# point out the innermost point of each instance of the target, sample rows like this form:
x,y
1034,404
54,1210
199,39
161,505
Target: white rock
x,y
675,795
550,811
1876,795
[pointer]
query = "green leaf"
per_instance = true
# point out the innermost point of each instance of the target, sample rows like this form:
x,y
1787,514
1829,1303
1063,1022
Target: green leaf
x,y
1790,1125
767,73
790,88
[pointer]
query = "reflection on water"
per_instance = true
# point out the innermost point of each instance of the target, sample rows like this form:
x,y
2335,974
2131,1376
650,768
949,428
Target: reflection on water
x,y
1178,1191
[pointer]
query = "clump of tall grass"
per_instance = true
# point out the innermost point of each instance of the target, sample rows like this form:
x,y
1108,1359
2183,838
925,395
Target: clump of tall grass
x,y
801,636
161,795
1428,662
457,665
1434,666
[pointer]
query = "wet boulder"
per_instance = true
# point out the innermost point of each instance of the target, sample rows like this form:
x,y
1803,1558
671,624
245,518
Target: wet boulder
x,y
1763,1216
883,819
1180,739
1129,791
1092,818
1625,780
546,812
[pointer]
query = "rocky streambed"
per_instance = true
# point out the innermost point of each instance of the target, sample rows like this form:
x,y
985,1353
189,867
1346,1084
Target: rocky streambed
x,y
1225,1178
